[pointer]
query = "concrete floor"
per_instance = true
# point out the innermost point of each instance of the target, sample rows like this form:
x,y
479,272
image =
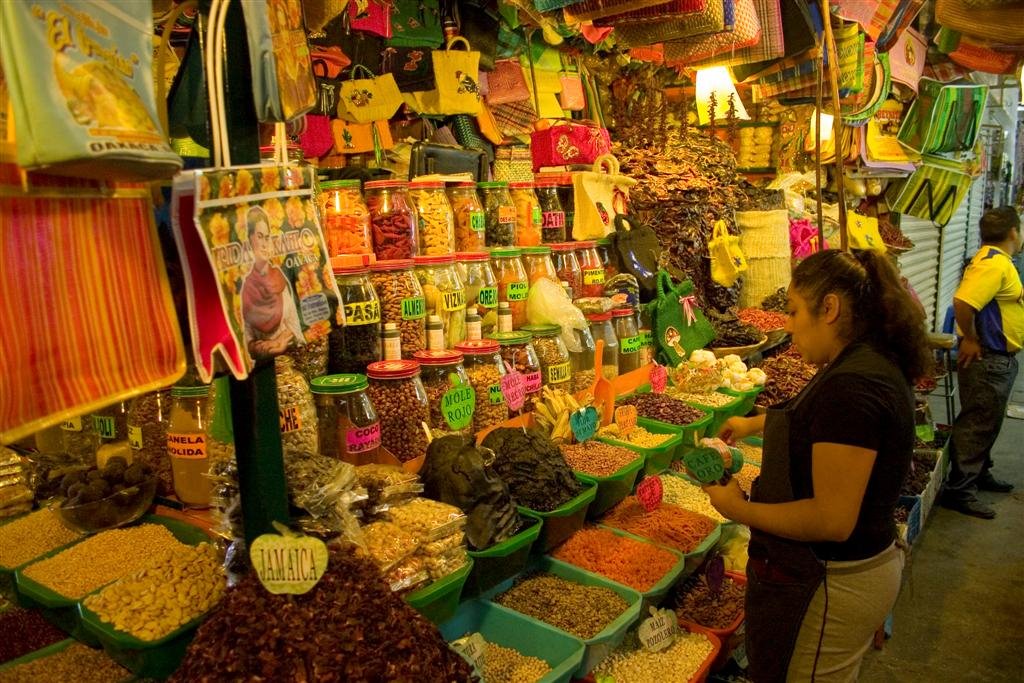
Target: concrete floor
x,y
960,615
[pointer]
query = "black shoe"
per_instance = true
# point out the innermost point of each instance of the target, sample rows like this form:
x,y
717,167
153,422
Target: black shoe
x,y
971,507
987,482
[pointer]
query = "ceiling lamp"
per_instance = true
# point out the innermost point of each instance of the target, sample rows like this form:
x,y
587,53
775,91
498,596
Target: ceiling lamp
x,y
716,80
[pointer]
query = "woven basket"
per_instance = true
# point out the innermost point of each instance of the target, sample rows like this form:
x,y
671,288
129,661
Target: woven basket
x,y
763,277
764,234
741,351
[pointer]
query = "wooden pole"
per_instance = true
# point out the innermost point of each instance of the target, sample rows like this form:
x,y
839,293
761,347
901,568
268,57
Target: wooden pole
x,y
837,122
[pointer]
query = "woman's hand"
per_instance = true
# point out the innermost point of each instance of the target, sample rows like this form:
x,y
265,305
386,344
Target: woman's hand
x,y
736,428
726,499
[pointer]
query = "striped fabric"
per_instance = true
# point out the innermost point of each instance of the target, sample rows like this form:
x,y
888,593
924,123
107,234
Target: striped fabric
x,y
87,310
771,45
933,192
746,33
670,10
712,19
588,10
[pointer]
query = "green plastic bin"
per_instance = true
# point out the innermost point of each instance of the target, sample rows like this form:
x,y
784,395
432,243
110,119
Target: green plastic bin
x,y
46,652
613,488
689,434
439,600
508,628
719,413
502,560
749,399
658,458
563,522
8,589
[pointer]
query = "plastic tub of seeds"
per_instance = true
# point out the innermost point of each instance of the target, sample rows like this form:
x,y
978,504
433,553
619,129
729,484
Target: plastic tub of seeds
x,y
65,660
28,537
689,658
439,600
656,458
561,652
503,560
727,634
563,521
749,397
613,487
720,413
599,645
752,448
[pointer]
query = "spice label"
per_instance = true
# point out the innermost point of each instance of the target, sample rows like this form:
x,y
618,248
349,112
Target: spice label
x,y
104,426
288,564
190,446
414,308
135,438
625,418
506,214
658,631
513,388
583,423
362,439
647,338
630,344
291,420
517,291
532,381
494,394
593,276
649,493
72,425
453,301
552,220
362,313
488,297
659,379
536,216
705,465
458,403
477,221
556,374
471,648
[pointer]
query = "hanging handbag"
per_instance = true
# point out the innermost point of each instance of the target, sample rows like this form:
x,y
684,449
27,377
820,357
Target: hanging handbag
x,y
1002,23
727,260
598,196
571,96
862,232
361,138
515,118
506,83
456,74
364,100
679,325
513,164
411,68
328,90
489,126
279,57
944,117
415,23
665,24
638,250
371,16
745,33
933,192
770,44
591,10
316,139
565,143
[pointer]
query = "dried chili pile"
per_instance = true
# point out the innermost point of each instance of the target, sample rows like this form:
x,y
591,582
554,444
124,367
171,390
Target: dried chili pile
x,y
668,524
350,627
766,321
787,376
776,302
533,468
699,603
920,474
731,331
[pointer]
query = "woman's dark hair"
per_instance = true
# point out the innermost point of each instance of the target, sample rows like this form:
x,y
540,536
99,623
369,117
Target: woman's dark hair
x,y
882,310
253,218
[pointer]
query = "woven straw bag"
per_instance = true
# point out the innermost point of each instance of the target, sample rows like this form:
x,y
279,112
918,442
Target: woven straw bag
x,y
764,276
764,234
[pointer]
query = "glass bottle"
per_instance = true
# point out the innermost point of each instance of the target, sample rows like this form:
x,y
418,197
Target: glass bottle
x,y
436,369
500,212
470,219
513,286
583,374
537,263
629,339
646,337
78,440
592,270
482,361
349,429
556,371
567,198
186,445
567,266
357,343
551,211
346,220
601,327
444,294
148,418
393,220
400,400
436,219
528,214
481,287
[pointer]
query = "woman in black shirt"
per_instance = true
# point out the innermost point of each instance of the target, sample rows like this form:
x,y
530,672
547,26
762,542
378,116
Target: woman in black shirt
x,y
824,569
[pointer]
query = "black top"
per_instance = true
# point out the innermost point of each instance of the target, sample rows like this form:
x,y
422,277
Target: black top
x,y
863,401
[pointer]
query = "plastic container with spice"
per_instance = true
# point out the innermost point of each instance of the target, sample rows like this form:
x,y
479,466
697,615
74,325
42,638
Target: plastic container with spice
x,y
485,369
400,400
401,302
348,424
567,266
518,352
470,219
592,270
148,418
357,344
346,220
513,285
481,287
297,410
552,214
556,370
582,361
186,445
500,212
601,327
537,263
393,219
608,258
528,214
436,368
630,341
444,295
436,218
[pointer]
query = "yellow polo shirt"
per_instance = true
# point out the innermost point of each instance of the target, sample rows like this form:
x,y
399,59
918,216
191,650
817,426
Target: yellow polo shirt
x,y
992,287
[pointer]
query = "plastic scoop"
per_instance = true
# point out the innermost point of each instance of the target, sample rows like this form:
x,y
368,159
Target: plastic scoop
x,y
604,393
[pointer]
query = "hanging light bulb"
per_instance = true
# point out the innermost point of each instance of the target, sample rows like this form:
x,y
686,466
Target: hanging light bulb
x,y
826,126
718,81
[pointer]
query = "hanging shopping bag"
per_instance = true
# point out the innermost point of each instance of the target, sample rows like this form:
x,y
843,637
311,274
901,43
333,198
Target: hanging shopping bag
x,y
565,143
79,111
679,324
316,139
669,22
361,138
880,147
571,96
488,125
411,67
515,118
364,100
283,86
746,32
415,23
506,83
598,196
933,192
727,260
863,233
456,74
944,117
992,22
371,16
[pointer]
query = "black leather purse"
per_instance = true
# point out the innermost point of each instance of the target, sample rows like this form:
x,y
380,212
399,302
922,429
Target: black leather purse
x,y
429,158
638,251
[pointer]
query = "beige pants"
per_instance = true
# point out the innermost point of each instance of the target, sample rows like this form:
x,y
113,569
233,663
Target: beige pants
x,y
859,594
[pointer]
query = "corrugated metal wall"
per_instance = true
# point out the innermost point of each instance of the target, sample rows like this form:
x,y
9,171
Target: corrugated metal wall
x,y
920,264
977,200
952,248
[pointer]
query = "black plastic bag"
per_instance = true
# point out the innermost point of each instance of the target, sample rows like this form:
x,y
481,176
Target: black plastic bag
x,y
638,250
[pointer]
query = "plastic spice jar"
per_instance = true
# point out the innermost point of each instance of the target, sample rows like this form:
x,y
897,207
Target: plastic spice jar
x,y
349,428
481,286
518,352
601,327
592,270
401,302
436,220
401,404
186,445
513,285
582,361
297,411
345,217
629,337
484,368
567,266
537,263
393,219
357,344
436,368
552,215
528,214
608,259
148,418
554,358
470,218
500,212
444,295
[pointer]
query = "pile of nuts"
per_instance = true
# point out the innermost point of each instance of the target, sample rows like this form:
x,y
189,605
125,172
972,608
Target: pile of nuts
x,y
74,663
663,408
630,662
392,288
583,611
487,412
25,539
506,665
597,459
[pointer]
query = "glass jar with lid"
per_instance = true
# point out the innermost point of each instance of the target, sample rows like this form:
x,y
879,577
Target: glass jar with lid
x,y
555,368
630,341
401,302
400,400
346,220
436,368
601,327
567,266
110,424
552,215
537,263
591,269
513,285
444,295
567,198
436,219
186,445
500,213
357,343
393,219
299,431
295,154
484,368
348,426
481,287
528,214
583,374
311,358
518,352
148,417
608,259
470,219
78,440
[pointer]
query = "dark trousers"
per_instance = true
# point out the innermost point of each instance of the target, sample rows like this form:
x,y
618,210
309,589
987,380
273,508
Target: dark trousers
x,y
985,387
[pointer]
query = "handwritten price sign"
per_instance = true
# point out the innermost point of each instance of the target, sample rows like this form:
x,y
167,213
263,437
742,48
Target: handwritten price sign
x,y
649,493
513,388
583,423
659,379
625,418
458,403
